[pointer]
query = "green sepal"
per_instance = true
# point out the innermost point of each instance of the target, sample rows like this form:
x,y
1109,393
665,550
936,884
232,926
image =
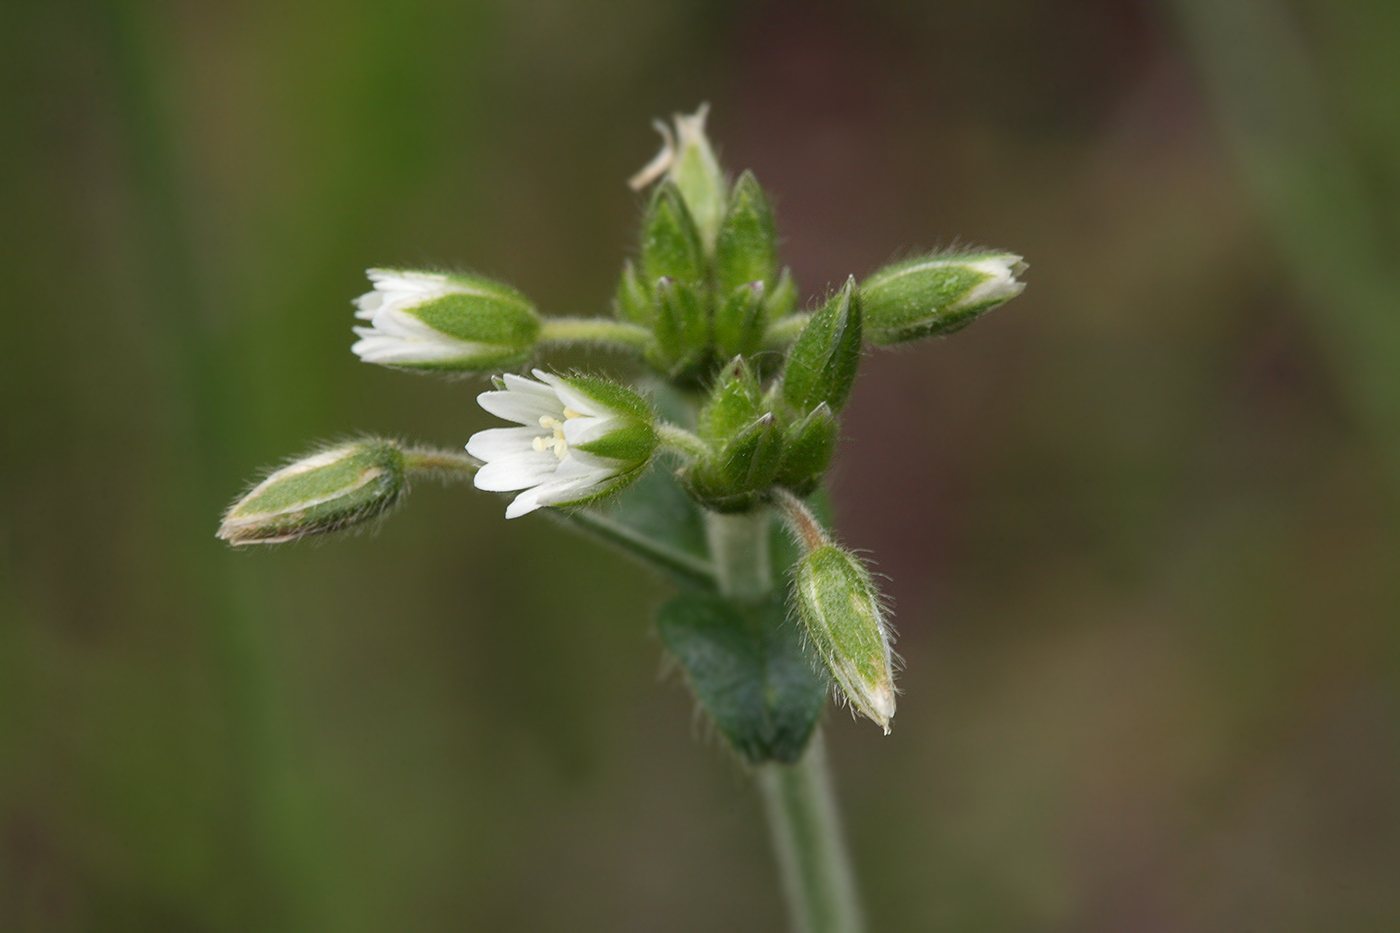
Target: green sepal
x,y
822,363
751,459
635,442
735,479
490,313
670,243
681,329
750,672
739,322
808,447
612,395
781,299
733,403
697,175
632,302
746,250
327,491
935,295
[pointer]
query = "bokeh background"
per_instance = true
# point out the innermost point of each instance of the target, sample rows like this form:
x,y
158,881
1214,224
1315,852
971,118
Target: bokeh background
x,y
1140,525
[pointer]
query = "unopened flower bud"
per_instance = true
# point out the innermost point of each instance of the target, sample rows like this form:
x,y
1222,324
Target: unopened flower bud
x,y
747,248
687,159
443,322
807,450
840,607
681,330
821,365
334,489
936,295
670,242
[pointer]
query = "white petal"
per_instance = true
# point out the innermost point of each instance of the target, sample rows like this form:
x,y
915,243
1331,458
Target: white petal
x,y
495,443
377,347
524,504
573,398
523,401
519,471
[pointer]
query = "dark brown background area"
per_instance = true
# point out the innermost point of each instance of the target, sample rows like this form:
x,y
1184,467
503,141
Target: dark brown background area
x,y
1139,525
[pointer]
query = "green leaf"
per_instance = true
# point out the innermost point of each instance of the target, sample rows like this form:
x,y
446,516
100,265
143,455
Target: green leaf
x,y
749,670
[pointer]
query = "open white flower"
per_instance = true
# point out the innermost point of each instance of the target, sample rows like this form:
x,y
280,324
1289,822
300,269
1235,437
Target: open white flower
x,y
581,438
436,321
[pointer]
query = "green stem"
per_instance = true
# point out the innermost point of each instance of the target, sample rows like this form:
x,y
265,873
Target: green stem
x,y
806,831
594,330
678,438
439,464
817,877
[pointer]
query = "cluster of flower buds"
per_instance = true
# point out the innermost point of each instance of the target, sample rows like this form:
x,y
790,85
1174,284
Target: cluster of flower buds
x,y
707,306
706,282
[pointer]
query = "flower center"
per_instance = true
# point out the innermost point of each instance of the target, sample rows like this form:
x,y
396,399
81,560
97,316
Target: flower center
x,y
555,439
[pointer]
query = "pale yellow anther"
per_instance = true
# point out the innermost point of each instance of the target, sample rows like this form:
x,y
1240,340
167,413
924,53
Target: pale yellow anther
x,y
556,443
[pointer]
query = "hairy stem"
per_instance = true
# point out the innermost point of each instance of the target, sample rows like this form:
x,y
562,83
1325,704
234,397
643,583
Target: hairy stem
x,y
806,831
817,878
594,330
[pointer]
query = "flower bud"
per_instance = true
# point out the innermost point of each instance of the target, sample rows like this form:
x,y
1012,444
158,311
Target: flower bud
x,y
331,490
741,469
670,243
633,301
840,607
733,403
687,160
746,250
807,449
681,330
821,365
739,321
443,322
936,295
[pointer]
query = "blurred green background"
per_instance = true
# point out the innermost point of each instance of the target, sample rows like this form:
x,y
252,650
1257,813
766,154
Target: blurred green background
x,y
1140,525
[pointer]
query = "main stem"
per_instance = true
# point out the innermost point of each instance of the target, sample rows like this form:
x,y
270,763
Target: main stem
x,y
797,798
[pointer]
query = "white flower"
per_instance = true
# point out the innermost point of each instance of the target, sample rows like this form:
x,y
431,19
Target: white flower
x,y
428,320
571,447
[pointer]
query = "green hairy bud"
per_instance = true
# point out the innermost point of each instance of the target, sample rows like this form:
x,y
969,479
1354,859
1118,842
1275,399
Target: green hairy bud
x,y
747,248
840,607
336,488
440,322
821,366
670,243
808,446
936,295
681,330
